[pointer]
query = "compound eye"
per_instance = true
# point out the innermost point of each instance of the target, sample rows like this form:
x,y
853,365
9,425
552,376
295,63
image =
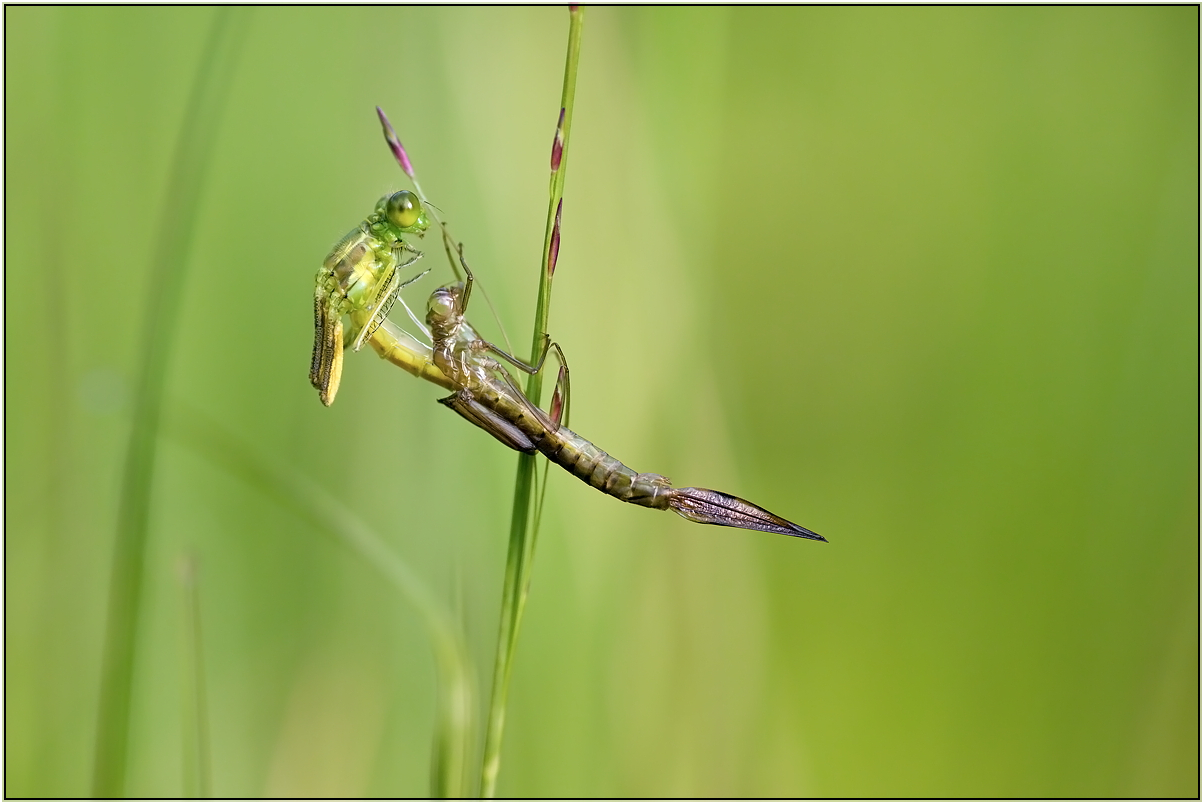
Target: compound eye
x,y
403,209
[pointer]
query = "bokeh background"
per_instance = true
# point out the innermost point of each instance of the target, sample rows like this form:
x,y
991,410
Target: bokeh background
x,y
922,279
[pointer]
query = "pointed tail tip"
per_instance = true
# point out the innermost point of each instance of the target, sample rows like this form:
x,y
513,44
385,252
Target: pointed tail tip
x,y
803,533
710,507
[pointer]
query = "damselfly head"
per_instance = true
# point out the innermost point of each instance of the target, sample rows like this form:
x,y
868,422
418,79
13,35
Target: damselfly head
x,y
442,306
404,211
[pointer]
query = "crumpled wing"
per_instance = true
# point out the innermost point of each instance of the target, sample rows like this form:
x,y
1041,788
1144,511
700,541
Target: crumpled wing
x,y
326,364
462,402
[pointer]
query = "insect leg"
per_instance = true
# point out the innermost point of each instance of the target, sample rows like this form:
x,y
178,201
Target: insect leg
x,y
399,248
522,365
382,299
561,398
469,280
529,368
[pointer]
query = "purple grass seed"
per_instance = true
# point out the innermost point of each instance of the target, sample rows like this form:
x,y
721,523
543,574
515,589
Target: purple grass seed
x,y
558,143
399,151
554,247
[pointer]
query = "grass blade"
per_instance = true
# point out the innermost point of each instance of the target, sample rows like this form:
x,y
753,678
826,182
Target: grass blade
x,y
454,722
197,767
168,273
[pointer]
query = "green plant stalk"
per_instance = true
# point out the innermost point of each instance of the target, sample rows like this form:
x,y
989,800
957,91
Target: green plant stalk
x,y
522,538
168,273
280,482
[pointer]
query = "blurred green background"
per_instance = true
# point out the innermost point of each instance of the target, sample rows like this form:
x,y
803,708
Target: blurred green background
x,y
924,280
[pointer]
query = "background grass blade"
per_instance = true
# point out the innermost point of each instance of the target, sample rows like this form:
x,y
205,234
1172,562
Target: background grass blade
x,y
162,311
454,722
198,771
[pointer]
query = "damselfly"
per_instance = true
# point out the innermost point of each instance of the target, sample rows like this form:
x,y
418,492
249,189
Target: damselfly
x,y
360,278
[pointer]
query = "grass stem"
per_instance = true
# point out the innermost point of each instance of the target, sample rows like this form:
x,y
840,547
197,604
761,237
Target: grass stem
x,y
522,537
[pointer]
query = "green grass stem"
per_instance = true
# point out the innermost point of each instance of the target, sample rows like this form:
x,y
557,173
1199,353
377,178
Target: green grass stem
x,y
167,279
522,538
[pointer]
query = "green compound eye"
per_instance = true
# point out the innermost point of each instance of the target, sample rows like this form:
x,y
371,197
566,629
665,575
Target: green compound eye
x,y
403,209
